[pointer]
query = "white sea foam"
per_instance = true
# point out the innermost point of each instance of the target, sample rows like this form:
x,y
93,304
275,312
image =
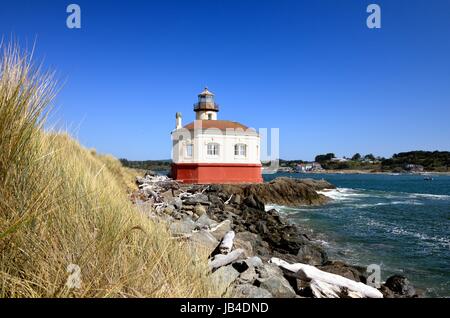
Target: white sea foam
x,y
269,207
397,230
341,194
430,196
347,194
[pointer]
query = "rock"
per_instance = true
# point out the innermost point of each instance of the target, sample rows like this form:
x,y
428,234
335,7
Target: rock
x,y
237,199
221,229
169,210
176,202
185,226
253,201
197,199
254,261
311,254
387,293
245,245
199,209
240,265
272,279
167,196
205,221
216,201
250,291
340,268
281,191
205,239
255,241
248,276
223,277
400,286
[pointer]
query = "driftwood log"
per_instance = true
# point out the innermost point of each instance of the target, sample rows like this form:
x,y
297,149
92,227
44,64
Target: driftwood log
x,y
221,260
328,285
226,245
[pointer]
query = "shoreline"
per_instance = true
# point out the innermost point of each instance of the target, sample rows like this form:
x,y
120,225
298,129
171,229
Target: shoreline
x,y
195,212
425,173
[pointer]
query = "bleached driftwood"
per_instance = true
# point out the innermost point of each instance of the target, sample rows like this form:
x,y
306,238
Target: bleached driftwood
x,y
229,199
226,245
206,188
328,285
221,260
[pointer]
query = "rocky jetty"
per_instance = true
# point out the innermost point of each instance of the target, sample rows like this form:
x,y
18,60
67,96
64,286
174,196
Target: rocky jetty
x,y
254,252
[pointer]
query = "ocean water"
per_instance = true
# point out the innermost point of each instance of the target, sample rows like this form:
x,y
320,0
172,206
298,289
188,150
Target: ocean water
x,y
400,222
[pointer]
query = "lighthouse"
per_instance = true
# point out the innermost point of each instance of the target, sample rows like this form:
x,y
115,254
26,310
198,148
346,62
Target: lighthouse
x,y
213,151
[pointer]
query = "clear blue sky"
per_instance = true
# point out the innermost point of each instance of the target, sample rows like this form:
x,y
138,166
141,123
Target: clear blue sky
x,y
311,68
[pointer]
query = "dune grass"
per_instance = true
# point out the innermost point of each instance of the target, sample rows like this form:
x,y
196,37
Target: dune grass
x,y
62,204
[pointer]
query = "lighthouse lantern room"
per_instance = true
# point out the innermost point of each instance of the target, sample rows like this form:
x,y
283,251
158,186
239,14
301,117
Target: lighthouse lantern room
x,y
209,150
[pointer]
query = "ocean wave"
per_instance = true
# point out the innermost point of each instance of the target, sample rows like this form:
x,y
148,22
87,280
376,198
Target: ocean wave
x,y
430,196
348,194
341,194
371,205
398,230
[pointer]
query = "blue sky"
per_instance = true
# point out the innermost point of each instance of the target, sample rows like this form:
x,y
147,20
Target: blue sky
x,y
310,68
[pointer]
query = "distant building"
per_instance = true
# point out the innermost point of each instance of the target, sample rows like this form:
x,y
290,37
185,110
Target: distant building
x,y
339,159
414,167
209,150
308,167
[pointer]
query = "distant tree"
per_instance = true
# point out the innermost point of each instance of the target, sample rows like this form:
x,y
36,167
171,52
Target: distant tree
x,y
431,161
356,156
324,158
369,157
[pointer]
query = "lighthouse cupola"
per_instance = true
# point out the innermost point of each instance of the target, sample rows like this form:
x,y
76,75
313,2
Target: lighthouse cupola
x,y
206,108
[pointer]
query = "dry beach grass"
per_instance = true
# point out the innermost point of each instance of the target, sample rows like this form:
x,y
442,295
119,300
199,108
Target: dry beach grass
x,y
62,204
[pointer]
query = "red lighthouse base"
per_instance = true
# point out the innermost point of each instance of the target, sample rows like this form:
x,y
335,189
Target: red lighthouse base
x,y
219,173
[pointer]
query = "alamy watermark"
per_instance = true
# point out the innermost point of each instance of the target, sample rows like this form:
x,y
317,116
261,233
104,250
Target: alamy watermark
x,y
374,19
73,21
265,147
374,277
74,279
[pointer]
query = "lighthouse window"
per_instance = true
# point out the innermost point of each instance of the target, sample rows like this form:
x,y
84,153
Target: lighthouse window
x,y
240,150
189,148
213,149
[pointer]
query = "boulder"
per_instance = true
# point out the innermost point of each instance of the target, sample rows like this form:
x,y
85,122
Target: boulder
x,y
221,229
254,261
245,245
311,254
237,199
184,226
281,191
205,221
205,240
223,277
199,210
271,278
340,268
248,276
169,210
400,286
259,247
176,202
253,201
197,199
250,291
